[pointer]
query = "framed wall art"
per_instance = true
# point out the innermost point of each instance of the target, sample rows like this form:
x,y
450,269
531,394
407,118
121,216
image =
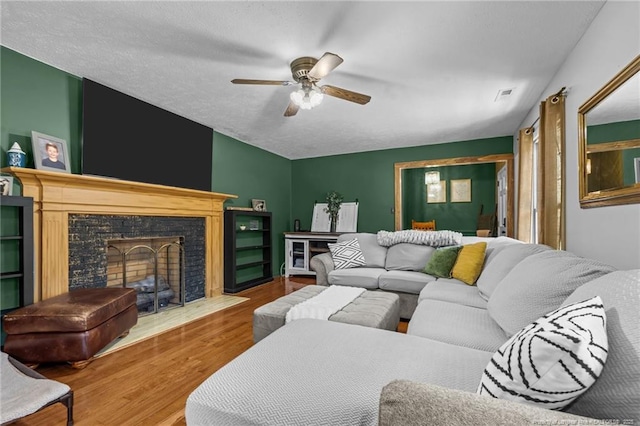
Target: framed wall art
x,y
437,192
460,190
50,153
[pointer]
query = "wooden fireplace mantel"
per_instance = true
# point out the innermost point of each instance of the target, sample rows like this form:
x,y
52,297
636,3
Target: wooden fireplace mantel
x,y
56,195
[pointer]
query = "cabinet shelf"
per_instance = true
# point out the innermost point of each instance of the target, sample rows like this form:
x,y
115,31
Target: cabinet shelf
x,y
318,250
247,252
7,275
262,246
252,264
12,238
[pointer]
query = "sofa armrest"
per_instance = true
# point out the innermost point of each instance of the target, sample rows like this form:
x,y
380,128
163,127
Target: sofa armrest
x,y
322,264
409,403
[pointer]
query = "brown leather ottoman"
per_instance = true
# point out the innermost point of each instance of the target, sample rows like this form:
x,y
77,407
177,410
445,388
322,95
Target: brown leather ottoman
x,y
71,327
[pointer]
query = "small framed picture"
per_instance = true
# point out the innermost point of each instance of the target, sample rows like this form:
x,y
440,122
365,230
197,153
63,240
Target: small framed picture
x,y
259,205
50,153
6,185
636,164
437,192
460,190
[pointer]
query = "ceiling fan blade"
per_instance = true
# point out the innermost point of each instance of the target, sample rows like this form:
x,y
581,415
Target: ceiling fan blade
x,y
345,94
292,109
324,66
269,82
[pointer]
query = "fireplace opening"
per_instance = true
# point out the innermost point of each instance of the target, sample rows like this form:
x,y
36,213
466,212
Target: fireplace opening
x,y
154,267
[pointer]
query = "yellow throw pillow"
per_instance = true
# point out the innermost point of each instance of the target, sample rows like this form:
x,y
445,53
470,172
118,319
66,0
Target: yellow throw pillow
x,y
469,263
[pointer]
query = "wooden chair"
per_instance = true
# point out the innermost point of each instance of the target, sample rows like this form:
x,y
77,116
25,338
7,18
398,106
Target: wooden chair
x,y
487,222
424,226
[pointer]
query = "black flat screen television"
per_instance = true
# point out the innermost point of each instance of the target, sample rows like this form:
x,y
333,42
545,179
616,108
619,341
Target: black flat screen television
x,y
127,138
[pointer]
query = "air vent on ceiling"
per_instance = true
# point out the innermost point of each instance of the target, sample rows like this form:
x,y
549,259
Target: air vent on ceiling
x,y
503,94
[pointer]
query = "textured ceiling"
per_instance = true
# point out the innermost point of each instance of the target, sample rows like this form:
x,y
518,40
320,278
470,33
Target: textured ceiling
x,y
433,69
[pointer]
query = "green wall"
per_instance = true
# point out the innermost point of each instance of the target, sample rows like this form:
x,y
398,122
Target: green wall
x,y
368,177
461,217
614,132
35,96
250,172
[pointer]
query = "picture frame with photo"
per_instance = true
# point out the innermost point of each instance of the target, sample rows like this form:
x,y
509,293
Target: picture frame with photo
x,y
636,165
259,205
50,153
6,185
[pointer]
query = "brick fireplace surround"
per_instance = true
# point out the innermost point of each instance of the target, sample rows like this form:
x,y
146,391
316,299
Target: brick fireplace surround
x,y
57,195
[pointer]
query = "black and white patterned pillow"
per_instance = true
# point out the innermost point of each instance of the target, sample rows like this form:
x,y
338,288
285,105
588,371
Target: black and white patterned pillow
x,y
553,360
347,254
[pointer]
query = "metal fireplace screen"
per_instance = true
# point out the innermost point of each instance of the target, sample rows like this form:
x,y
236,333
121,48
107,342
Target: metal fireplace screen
x,y
154,267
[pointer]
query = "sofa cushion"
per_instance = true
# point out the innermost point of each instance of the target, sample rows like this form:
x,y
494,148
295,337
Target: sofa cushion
x,y
442,261
454,291
500,260
404,281
374,254
456,324
553,360
616,393
408,257
346,254
356,277
538,284
469,263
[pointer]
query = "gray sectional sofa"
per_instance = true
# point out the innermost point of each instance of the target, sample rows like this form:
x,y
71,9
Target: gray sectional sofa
x,y
313,372
397,269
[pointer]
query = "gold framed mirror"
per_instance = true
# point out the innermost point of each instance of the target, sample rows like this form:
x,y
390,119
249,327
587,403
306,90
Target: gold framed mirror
x,y
609,142
502,161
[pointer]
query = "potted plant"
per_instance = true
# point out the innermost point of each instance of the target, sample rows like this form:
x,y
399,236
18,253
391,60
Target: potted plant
x,y
334,201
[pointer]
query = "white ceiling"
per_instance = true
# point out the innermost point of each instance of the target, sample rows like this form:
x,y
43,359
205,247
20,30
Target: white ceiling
x,y
433,69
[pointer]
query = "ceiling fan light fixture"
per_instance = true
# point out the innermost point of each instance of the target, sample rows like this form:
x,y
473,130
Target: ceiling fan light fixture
x,y
307,72
307,97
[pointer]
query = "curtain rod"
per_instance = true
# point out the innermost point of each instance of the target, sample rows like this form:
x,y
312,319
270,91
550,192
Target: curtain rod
x,y
559,93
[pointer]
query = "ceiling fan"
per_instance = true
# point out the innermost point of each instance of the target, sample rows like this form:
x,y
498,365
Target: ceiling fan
x,y
307,72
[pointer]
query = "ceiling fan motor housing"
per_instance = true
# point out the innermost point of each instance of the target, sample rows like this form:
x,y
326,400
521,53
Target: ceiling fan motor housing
x,y
300,67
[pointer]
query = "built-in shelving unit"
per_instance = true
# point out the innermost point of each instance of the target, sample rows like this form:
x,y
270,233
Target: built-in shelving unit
x,y
247,249
16,242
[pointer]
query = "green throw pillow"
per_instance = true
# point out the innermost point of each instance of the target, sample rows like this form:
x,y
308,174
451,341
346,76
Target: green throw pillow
x,y
442,262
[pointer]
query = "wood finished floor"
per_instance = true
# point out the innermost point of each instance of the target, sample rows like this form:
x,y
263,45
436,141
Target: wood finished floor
x,y
148,383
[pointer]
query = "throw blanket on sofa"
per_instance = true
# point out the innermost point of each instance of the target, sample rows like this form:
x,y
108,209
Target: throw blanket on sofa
x,y
325,304
427,238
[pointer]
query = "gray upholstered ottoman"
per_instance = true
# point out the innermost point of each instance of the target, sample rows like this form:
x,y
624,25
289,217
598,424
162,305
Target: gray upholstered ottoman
x,y
377,309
